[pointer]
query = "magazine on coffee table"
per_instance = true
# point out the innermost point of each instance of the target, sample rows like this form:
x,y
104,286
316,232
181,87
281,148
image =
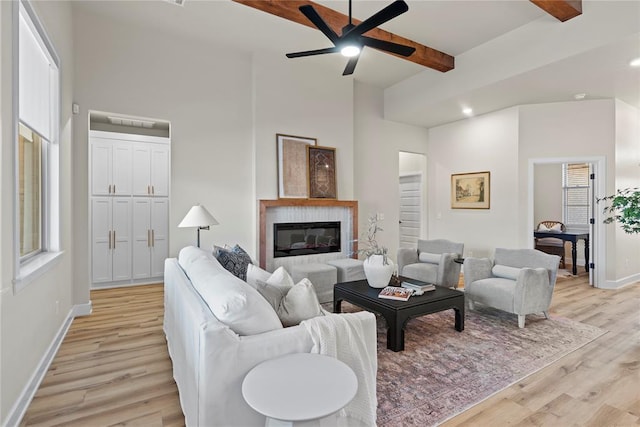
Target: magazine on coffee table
x,y
396,293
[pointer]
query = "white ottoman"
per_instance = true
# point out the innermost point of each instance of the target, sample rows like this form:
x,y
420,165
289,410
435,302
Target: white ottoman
x,y
349,269
322,276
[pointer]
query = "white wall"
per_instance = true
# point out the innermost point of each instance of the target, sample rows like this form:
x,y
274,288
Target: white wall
x,y
206,94
547,188
483,143
376,145
627,160
30,319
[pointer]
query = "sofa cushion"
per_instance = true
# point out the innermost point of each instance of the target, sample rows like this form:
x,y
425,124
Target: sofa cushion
x,y
292,303
429,257
231,300
424,271
505,272
235,260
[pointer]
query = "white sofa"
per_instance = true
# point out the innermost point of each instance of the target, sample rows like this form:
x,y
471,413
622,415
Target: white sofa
x,y
210,360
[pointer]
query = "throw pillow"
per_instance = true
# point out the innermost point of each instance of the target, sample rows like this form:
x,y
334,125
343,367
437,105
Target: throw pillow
x,y
235,261
293,303
429,257
505,272
255,273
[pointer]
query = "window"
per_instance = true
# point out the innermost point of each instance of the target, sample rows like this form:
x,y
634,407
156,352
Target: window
x,y
36,151
576,195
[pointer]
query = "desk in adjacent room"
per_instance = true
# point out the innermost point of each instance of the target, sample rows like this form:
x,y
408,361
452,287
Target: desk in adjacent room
x,y
570,236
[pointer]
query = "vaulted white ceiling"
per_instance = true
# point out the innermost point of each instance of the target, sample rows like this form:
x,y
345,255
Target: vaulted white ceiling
x,y
507,52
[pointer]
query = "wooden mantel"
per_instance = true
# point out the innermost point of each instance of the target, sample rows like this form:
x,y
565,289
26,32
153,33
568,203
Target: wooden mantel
x,y
265,204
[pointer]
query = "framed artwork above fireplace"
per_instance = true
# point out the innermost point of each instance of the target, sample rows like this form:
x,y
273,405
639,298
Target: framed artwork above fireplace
x,y
293,167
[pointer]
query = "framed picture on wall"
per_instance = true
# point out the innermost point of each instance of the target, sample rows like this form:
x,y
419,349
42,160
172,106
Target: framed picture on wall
x,y
470,190
322,172
293,167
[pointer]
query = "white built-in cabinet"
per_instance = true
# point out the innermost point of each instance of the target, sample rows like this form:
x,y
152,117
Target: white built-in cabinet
x,y
129,189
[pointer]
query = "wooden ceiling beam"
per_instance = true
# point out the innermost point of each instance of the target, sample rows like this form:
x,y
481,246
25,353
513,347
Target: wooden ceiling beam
x,y
289,9
562,10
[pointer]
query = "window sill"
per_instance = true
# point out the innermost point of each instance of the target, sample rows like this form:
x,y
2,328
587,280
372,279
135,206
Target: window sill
x,y
35,268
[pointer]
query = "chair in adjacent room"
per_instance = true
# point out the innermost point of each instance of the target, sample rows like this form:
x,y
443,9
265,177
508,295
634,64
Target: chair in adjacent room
x,y
518,281
432,262
551,245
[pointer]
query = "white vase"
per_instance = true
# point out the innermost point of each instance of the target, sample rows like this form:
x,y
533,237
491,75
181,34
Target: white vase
x,y
378,274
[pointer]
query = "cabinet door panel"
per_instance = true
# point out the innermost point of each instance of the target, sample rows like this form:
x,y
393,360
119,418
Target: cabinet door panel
x,y
141,170
100,239
121,169
160,242
122,239
141,237
100,168
160,169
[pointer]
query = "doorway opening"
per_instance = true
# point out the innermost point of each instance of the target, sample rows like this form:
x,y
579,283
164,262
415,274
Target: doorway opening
x,y
565,190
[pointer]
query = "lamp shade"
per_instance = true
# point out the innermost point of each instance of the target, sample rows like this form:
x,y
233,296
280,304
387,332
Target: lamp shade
x,y
198,216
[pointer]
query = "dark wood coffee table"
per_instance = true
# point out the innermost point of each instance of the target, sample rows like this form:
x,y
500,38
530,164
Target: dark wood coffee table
x,y
398,313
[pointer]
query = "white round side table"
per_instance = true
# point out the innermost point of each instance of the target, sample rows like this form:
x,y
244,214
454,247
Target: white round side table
x,y
299,387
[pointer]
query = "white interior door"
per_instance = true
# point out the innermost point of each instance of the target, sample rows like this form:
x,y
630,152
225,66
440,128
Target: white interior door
x,y
410,210
159,236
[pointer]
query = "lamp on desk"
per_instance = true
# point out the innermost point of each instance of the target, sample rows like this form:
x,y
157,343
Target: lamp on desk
x,y
199,217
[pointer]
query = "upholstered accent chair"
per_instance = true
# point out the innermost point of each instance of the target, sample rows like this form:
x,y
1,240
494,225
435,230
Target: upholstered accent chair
x,y
432,262
551,245
518,281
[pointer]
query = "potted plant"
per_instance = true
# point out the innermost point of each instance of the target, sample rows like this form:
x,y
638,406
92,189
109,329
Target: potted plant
x,y
624,208
378,268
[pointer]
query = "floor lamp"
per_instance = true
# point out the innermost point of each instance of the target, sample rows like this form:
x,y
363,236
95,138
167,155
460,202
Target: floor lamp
x,y
199,217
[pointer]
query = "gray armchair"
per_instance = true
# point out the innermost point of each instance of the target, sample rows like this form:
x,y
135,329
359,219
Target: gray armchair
x,y
432,262
518,281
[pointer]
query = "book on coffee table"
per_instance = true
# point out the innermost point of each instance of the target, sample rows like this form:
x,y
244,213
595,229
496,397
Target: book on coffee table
x,y
396,293
423,288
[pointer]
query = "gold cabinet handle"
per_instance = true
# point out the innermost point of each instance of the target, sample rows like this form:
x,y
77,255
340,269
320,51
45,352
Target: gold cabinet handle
x,y
109,193
153,238
114,189
109,239
153,189
148,238
114,239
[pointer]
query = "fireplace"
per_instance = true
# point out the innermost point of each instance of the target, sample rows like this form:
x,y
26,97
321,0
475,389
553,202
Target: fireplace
x,y
305,238
286,211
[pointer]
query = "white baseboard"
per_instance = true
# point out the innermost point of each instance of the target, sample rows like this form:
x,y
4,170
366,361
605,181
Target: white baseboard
x,y
127,283
620,283
20,406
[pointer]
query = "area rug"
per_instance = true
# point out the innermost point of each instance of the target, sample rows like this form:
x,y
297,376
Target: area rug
x,y
443,372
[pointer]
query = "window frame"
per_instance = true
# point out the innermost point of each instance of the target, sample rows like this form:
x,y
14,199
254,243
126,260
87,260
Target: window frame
x,y
565,202
28,268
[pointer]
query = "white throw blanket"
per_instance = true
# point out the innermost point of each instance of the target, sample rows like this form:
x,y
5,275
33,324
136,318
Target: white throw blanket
x,y
341,336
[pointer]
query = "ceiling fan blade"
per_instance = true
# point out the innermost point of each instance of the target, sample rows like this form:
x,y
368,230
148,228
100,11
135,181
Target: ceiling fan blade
x,y
398,49
317,20
351,65
313,52
396,8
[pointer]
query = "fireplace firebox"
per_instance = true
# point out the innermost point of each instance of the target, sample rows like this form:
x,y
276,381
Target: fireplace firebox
x,y
305,238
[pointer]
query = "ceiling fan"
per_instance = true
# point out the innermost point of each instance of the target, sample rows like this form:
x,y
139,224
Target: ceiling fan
x,y
352,40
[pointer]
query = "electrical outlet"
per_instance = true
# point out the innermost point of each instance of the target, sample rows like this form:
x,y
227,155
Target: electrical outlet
x,y
57,307
381,216
439,215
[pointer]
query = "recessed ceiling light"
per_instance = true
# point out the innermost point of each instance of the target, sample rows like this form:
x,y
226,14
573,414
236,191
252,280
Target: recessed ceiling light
x,y
579,96
467,111
635,62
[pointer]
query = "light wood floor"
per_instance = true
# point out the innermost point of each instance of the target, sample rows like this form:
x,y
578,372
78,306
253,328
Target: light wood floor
x,y
113,368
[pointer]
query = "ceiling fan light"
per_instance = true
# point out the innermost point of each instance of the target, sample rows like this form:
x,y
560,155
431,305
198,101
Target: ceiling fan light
x,y
350,51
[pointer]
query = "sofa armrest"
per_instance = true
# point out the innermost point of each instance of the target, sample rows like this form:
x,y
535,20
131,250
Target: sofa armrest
x,y
533,291
476,269
406,256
